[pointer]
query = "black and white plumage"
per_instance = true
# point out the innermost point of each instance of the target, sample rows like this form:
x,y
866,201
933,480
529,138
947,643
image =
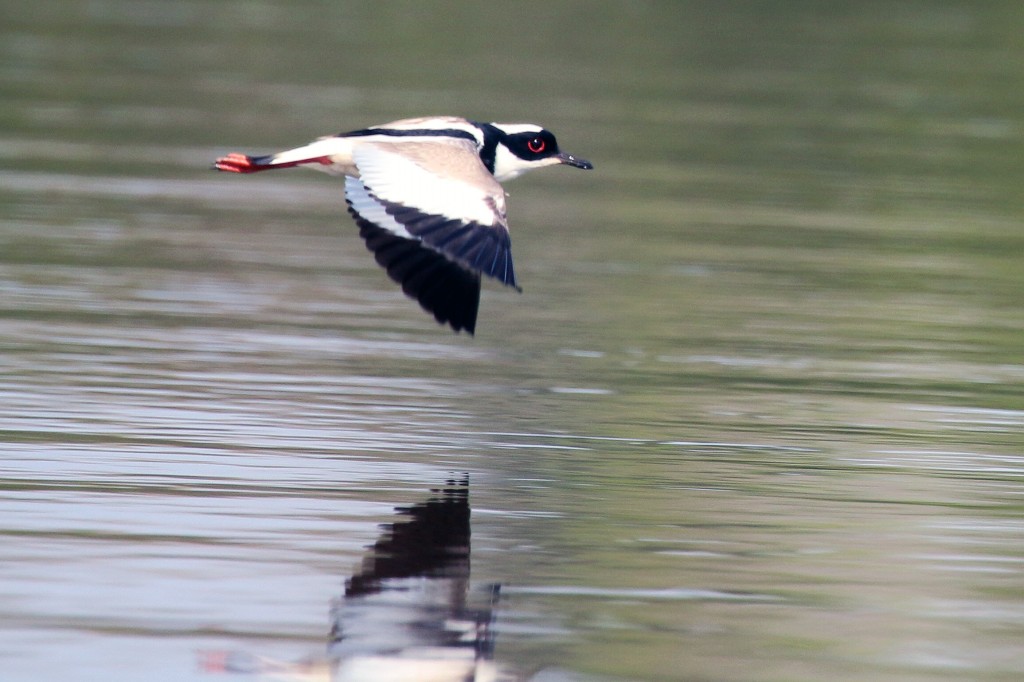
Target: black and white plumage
x,y
427,198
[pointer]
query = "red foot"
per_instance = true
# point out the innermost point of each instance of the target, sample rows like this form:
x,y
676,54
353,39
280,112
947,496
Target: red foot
x,y
238,163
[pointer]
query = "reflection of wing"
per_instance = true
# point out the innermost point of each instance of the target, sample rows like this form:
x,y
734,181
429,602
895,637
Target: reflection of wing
x,y
408,614
409,607
432,543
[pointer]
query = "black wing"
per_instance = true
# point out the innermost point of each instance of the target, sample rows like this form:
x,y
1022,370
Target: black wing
x,y
443,287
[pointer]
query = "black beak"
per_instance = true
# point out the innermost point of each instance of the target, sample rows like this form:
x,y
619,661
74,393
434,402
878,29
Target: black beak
x,y
570,160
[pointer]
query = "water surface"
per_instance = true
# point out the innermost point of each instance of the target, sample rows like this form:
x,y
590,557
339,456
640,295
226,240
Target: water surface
x,y
757,414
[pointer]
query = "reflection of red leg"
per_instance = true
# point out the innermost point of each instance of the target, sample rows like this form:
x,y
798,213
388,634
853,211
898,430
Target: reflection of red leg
x,y
240,163
222,661
213,661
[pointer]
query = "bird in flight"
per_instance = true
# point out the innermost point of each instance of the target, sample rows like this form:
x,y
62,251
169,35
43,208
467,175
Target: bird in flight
x,y
425,194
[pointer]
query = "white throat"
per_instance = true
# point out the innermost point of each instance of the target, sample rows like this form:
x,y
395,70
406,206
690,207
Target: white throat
x,y
508,166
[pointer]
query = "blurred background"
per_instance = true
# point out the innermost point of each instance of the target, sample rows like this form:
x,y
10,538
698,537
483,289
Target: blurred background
x,y
758,414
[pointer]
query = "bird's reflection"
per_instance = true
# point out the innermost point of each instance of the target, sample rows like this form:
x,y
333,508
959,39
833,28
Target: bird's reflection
x,y
409,612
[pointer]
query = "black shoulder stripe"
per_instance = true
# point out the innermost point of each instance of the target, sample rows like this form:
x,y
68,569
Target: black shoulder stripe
x,y
490,146
414,132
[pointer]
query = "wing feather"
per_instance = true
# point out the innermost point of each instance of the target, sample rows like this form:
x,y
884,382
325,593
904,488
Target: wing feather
x,y
481,248
434,218
443,287
442,194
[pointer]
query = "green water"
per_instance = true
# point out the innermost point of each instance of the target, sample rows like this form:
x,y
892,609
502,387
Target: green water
x,y
758,414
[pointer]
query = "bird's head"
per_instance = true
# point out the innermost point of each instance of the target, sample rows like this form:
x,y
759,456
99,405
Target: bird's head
x,y
524,146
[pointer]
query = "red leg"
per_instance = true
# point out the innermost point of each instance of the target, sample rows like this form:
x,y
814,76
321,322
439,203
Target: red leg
x,y
240,163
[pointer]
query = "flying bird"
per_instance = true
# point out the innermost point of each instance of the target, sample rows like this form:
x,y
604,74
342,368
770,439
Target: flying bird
x,y
425,194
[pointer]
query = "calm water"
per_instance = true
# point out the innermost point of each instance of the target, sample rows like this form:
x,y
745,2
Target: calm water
x,y
758,414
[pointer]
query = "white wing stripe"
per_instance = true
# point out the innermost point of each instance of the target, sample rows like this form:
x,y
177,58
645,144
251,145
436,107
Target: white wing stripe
x,y
399,180
366,206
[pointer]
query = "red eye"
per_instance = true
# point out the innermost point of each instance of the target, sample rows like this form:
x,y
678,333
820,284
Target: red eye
x,y
536,145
